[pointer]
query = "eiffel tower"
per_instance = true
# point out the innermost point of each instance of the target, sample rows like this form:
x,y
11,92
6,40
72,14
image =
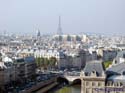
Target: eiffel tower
x,y
59,30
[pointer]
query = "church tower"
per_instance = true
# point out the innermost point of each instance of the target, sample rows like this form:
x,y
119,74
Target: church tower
x,y
38,33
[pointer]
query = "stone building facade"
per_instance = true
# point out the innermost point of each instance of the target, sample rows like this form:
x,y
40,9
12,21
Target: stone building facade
x,y
92,77
95,79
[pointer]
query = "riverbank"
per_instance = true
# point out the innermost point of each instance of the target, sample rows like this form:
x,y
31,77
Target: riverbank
x,y
53,86
45,86
67,89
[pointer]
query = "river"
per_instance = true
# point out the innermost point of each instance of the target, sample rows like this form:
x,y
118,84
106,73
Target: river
x,y
68,89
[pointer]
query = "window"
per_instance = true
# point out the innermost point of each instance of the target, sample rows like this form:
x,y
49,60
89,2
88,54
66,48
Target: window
x,y
121,84
123,72
123,55
87,91
99,84
93,83
115,62
87,83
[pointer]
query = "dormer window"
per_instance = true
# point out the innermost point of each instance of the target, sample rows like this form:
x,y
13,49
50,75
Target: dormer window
x,y
123,73
115,62
93,73
123,55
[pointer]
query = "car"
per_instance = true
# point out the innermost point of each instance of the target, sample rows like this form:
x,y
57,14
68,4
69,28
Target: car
x,y
28,86
32,83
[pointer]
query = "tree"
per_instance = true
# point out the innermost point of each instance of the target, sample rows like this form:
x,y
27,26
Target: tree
x,y
52,61
46,63
69,38
60,38
78,38
107,64
38,62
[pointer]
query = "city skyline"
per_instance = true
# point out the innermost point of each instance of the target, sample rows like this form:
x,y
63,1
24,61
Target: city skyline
x,y
91,16
57,46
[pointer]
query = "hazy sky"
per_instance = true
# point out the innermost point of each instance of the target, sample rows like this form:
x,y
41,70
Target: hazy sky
x,y
93,16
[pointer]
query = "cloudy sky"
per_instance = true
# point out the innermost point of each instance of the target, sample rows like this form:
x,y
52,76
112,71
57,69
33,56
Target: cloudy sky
x,y
93,16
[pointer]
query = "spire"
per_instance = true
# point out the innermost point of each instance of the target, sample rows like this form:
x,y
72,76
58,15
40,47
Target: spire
x,y
38,33
59,31
59,21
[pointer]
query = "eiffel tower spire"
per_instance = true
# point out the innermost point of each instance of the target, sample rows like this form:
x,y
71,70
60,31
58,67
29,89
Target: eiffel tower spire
x,y
59,31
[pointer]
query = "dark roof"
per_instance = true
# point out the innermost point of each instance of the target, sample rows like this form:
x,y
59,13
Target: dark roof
x,y
120,45
121,53
26,59
94,66
29,59
116,69
19,60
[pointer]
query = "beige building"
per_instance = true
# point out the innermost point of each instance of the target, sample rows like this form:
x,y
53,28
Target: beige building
x,y
94,78
74,38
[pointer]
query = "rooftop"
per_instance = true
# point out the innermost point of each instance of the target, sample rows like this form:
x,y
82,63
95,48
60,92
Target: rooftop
x,y
96,66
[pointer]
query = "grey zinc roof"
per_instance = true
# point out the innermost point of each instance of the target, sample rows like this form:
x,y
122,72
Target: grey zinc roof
x,y
120,54
117,69
94,66
117,78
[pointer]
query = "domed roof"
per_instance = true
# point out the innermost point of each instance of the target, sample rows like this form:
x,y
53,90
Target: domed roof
x,y
7,59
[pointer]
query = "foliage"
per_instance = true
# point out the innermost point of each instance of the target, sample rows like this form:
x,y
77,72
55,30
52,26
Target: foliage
x,y
45,62
68,38
107,63
52,60
78,38
60,38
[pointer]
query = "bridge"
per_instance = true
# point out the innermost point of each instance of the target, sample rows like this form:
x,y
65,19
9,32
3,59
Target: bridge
x,y
71,77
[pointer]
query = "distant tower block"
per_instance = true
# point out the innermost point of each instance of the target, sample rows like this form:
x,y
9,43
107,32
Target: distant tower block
x,y
59,31
4,32
38,33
